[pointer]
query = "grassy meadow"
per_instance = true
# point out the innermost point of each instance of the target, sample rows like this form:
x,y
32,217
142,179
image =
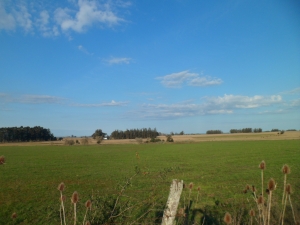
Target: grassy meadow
x,y
29,179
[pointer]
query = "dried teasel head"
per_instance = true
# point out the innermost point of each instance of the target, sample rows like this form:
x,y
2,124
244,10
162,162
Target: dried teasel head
x,y
75,197
288,189
14,215
267,191
252,212
247,187
260,200
199,188
88,204
227,218
61,187
271,185
2,159
286,169
245,191
253,188
191,185
262,165
87,223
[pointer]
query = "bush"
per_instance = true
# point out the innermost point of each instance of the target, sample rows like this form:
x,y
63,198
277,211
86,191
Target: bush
x,y
84,141
155,140
99,139
169,138
69,142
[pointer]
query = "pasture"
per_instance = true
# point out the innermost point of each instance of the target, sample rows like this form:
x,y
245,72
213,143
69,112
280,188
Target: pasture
x,y
29,179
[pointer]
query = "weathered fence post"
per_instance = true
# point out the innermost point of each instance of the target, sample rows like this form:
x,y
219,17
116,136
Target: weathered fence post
x,y
172,203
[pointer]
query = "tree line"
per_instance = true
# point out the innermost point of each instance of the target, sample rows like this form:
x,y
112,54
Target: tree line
x,y
246,130
214,132
17,134
134,133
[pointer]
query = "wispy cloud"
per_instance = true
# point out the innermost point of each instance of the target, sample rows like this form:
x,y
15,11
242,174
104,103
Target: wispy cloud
x,y
176,80
31,99
78,17
115,60
291,92
17,17
84,50
226,104
104,104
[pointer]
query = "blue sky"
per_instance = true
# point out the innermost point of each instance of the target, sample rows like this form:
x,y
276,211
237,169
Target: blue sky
x,y
75,66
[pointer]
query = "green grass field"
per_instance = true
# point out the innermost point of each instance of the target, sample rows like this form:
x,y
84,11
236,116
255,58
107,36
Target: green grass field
x,y
29,179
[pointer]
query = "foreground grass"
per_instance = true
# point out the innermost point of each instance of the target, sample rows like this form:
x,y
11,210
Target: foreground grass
x,y
29,179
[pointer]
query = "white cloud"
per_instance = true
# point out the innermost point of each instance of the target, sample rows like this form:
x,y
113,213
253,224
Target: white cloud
x,y
205,81
115,60
89,13
227,104
78,16
176,80
239,101
105,104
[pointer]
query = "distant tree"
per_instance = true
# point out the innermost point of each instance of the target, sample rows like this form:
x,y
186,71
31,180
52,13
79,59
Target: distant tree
x,y
169,138
24,134
274,130
134,133
257,130
98,133
181,133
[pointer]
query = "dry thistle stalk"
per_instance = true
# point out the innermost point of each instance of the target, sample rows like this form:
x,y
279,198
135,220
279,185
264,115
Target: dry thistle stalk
x,y
74,200
88,205
61,188
198,189
262,166
191,185
285,170
271,188
252,214
227,218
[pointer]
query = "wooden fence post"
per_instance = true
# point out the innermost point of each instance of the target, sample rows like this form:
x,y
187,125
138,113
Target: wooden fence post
x,y
172,203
